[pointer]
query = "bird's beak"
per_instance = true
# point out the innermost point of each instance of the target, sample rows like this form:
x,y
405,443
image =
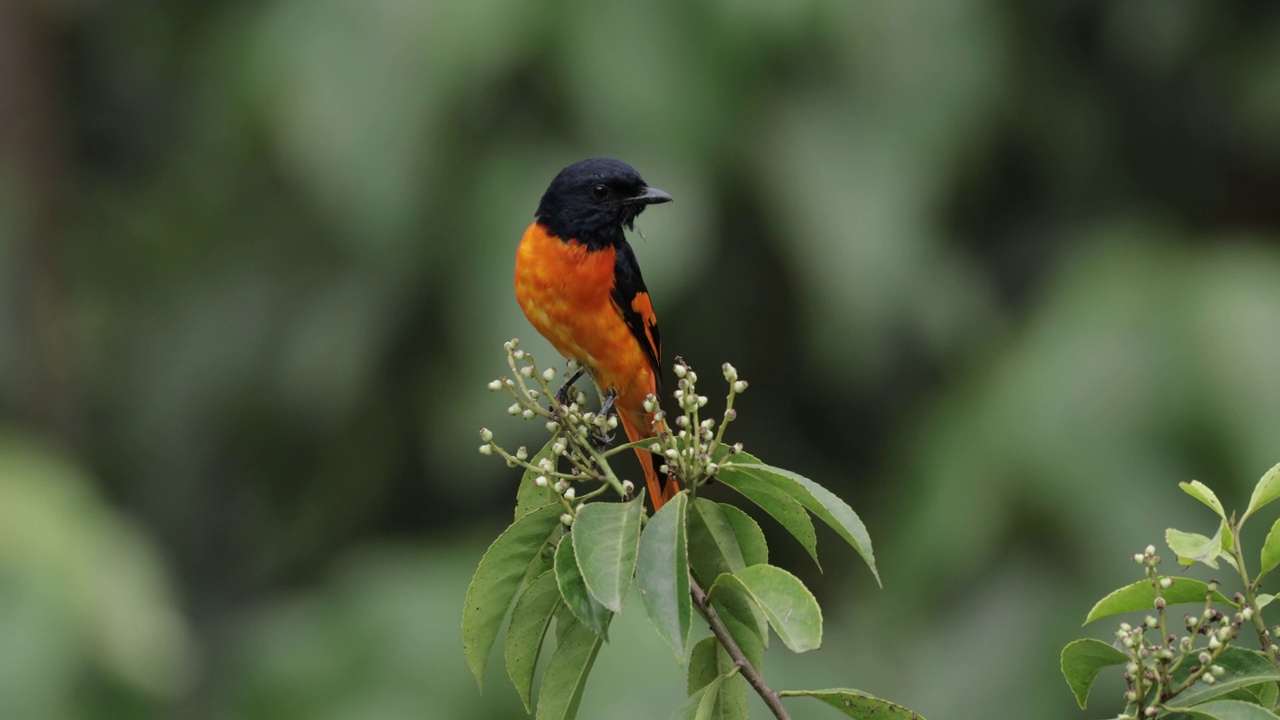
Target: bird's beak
x,y
651,196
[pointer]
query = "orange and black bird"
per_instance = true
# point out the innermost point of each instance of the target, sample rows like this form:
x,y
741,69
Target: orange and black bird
x,y
578,283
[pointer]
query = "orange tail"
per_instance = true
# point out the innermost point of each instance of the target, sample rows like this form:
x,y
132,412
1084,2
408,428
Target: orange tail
x,y
638,425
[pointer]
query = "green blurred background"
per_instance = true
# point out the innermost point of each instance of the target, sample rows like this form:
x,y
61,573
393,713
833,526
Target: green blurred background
x,y
1000,274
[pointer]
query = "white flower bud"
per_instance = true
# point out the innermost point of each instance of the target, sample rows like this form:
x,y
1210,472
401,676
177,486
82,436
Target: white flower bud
x,y
1151,621
1151,550
1217,670
495,385
549,374
518,354
1214,642
527,371
672,454
712,468
693,377
509,345
681,370
572,364
545,464
612,422
486,434
730,372
740,386
678,395
1208,679
655,448
566,519
557,448
1137,557
552,425
511,384
561,486
1166,582
540,481
702,400
649,404
514,409
569,494
522,453
682,421
486,449
628,487
1247,613
666,470
527,414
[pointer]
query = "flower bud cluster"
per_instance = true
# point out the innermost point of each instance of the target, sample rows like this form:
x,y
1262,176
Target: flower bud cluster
x,y
1154,652
573,429
691,445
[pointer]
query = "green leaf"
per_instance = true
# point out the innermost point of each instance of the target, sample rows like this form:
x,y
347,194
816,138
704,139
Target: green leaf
x,y
1082,660
529,621
708,661
1223,710
567,671
751,542
662,574
528,495
856,704
745,622
790,608
824,504
713,551
1193,547
773,500
494,585
1201,492
704,703
1263,599
1270,550
1141,596
1267,693
1267,489
573,590
606,539
1243,669
713,544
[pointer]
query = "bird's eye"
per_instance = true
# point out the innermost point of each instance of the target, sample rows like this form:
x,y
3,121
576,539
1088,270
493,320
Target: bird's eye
x,y
600,192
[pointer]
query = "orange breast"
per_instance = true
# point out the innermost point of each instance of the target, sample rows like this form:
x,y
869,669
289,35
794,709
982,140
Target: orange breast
x,y
565,291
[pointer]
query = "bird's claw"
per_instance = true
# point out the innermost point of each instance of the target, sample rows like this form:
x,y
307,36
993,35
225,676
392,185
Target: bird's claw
x,y
602,439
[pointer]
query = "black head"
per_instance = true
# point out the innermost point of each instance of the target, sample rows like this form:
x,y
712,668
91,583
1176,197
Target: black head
x,y
593,199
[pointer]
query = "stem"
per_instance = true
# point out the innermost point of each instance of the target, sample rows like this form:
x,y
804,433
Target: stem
x,y
766,693
1251,600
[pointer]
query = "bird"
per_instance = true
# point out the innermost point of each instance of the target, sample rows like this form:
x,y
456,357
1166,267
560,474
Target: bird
x,y
578,283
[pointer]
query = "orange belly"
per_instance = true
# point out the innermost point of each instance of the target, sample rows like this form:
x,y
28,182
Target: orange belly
x,y
566,292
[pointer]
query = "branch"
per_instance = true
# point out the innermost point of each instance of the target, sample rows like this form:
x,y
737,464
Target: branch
x,y
768,694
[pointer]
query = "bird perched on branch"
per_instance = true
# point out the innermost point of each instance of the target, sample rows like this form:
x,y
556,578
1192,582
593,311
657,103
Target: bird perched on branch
x,y
578,283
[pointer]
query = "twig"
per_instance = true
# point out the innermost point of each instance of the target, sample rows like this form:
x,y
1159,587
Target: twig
x,y
748,670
